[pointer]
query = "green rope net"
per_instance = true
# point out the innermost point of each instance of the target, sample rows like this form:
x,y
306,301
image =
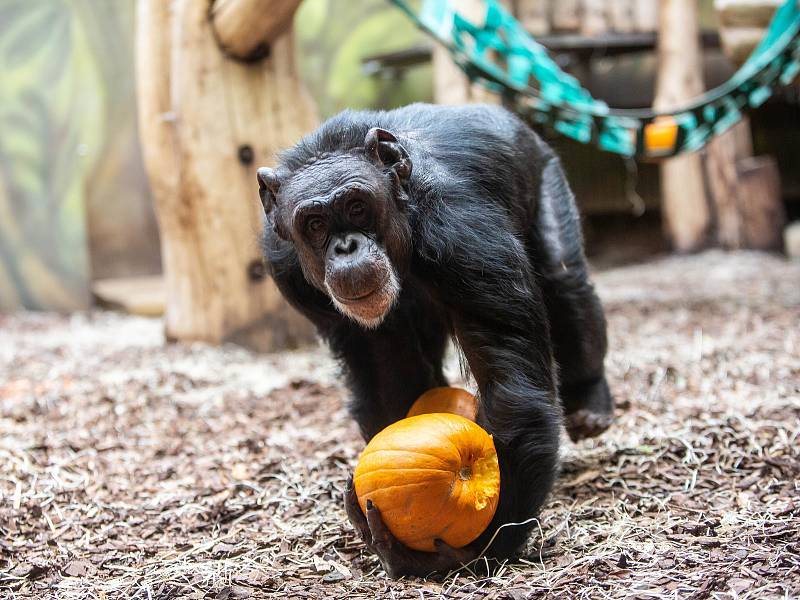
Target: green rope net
x,y
504,57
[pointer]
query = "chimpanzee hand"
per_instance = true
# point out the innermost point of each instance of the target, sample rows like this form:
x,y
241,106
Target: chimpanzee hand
x,y
396,558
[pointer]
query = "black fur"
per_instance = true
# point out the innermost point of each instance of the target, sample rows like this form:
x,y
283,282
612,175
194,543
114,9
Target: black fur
x,y
496,261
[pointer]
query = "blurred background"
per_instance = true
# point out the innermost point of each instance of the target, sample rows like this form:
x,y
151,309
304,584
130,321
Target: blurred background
x,y
77,219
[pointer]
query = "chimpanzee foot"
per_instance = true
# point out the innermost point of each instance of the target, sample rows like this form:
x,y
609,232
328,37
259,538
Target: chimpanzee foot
x,y
589,409
397,559
585,424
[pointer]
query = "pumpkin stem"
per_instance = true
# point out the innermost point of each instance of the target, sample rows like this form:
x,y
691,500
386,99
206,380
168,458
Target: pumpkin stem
x,y
465,473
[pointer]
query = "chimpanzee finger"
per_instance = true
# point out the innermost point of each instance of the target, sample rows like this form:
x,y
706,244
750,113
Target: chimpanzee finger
x,y
355,514
382,538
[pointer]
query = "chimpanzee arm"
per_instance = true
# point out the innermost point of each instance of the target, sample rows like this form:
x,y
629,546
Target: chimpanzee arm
x,y
481,270
481,274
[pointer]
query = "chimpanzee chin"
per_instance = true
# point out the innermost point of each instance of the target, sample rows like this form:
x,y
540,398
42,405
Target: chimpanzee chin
x,y
396,231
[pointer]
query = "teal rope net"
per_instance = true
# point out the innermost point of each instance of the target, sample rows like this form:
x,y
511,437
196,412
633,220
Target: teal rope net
x,y
502,56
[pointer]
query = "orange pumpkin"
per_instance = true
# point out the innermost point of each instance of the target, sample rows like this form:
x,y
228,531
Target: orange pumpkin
x,y
446,400
431,476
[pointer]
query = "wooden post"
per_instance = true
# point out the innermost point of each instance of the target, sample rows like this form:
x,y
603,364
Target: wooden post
x,y
712,197
207,121
685,209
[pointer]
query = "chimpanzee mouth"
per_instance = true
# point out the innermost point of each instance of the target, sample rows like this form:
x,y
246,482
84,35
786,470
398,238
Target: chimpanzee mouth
x,y
369,309
361,297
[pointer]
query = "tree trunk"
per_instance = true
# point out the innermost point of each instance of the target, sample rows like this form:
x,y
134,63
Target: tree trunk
x,y
207,121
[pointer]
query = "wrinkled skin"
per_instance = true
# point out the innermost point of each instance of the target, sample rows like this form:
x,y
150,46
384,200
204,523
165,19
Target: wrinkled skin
x,y
393,232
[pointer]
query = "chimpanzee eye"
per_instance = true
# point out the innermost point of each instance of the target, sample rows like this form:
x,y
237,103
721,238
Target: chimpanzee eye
x,y
358,213
357,208
315,228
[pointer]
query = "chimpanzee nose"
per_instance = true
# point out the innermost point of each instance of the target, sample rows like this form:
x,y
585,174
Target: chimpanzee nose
x,y
346,246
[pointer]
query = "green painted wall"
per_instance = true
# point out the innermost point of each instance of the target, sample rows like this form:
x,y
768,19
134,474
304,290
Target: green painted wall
x,y
335,35
69,153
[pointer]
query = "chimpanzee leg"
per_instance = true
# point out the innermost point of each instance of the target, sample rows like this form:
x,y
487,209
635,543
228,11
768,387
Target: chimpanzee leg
x,y
577,323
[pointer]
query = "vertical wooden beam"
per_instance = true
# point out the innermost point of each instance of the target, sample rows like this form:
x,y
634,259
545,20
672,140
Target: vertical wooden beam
x,y
685,208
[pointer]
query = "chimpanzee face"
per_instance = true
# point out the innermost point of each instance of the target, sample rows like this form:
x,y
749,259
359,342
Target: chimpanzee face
x,y
344,213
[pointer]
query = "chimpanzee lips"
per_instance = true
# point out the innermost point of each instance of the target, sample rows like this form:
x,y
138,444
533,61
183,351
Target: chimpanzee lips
x,y
361,297
367,306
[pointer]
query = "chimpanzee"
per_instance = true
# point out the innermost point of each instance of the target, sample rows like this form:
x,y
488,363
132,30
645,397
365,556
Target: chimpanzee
x,y
395,231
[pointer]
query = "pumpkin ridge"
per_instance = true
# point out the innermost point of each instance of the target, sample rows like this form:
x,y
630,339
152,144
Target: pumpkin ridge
x,y
368,452
397,485
414,469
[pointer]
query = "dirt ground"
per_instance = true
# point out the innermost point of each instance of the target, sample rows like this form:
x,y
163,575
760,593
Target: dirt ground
x,y
134,469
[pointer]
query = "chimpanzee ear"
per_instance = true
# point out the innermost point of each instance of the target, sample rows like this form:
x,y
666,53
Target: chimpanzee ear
x,y
383,149
268,186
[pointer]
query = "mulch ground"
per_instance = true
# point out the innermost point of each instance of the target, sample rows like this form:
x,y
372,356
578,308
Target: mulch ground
x,y
130,468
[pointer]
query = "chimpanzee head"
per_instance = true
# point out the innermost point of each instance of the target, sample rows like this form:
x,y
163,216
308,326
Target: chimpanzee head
x,y
345,213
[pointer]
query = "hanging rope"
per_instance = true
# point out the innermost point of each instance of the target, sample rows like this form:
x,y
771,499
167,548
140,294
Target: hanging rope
x,y
504,57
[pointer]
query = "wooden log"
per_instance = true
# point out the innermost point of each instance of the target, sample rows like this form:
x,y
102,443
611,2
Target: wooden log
x,y
739,42
685,209
763,214
206,123
452,86
246,28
